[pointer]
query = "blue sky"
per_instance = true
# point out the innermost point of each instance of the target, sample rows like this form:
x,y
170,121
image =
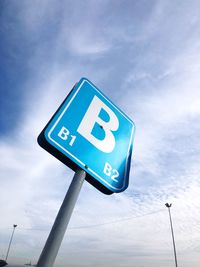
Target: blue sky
x,y
144,55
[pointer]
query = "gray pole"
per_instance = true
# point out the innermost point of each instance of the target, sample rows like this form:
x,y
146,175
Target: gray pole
x,y
56,235
14,226
170,218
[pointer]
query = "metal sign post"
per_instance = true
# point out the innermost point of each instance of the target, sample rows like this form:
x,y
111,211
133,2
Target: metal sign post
x,y
56,235
88,132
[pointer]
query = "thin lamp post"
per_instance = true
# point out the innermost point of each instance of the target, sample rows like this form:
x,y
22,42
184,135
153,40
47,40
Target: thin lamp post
x,y
14,226
170,218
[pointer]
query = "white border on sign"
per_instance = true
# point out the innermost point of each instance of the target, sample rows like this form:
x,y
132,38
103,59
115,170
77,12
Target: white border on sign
x,y
61,115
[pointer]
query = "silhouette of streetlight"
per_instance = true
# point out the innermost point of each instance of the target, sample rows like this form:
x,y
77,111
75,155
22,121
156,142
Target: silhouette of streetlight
x,y
170,218
14,226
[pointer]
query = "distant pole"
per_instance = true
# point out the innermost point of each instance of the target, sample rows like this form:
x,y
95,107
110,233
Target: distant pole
x,y
170,218
11,238
50,250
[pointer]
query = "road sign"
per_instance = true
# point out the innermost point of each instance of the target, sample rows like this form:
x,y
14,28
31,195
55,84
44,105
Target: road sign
x,y
90,132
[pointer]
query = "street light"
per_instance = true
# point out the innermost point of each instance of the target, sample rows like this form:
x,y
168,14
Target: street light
x,y
170,218
14,226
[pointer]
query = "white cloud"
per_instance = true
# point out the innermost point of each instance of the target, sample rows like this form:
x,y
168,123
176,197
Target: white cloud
x,y
86,43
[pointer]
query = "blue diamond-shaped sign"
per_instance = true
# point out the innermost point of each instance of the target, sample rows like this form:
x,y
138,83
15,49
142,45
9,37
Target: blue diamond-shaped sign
x,y
90,132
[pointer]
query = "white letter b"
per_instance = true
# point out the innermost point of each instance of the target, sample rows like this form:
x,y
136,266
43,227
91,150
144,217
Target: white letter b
x,y
91,117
